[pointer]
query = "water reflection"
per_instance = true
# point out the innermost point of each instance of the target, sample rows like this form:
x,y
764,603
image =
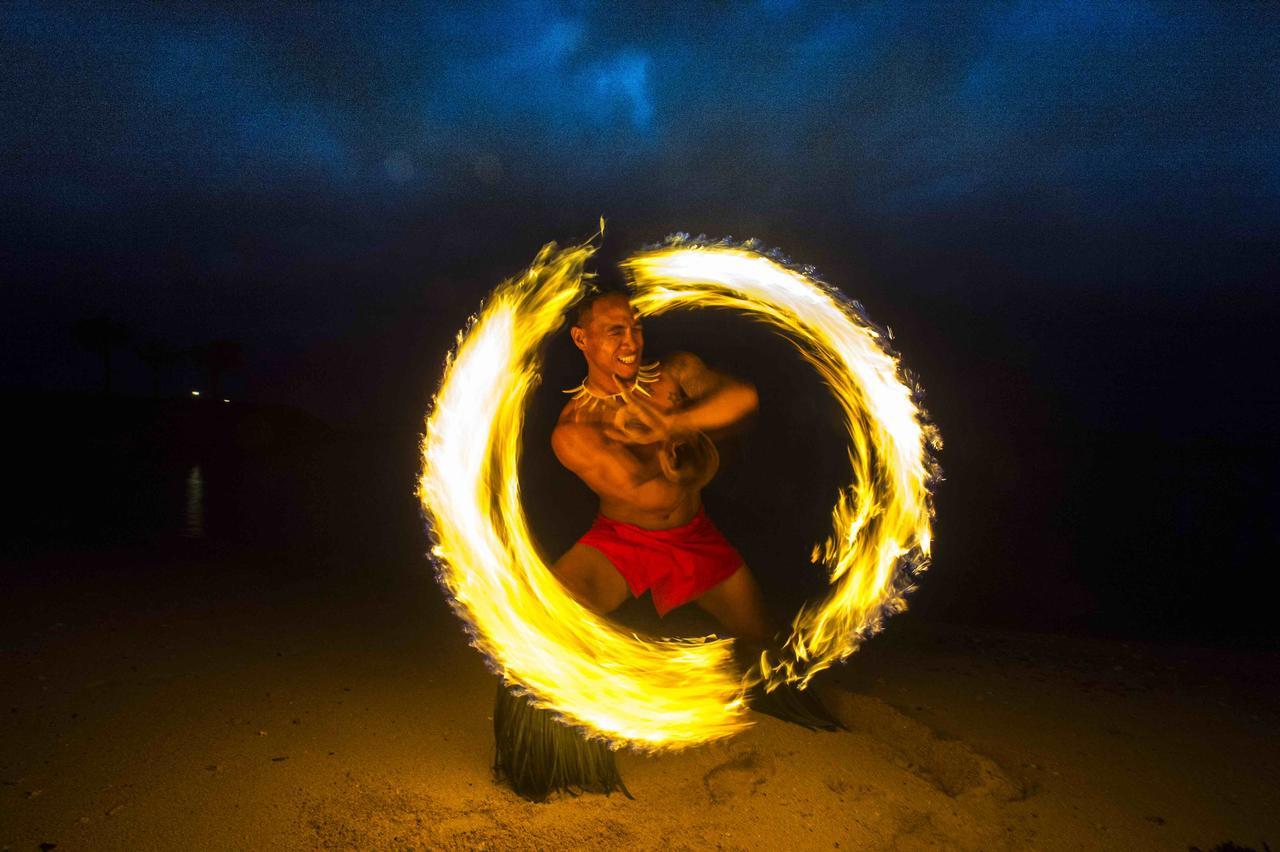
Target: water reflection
x,y
193,517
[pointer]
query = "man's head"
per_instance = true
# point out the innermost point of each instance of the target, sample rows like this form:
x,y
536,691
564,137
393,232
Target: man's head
x,y
610,336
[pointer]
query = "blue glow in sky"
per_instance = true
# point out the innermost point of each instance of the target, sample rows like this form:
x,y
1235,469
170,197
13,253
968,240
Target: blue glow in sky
x,y
897,109
292,172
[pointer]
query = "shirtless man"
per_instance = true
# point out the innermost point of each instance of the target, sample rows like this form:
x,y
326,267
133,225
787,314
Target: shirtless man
x,y
637,436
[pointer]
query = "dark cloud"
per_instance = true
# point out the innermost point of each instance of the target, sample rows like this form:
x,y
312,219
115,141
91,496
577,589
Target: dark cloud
x,y
281,171
900,109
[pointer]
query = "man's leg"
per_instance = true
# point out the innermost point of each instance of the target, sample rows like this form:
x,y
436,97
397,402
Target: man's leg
x,y
737,604
590,577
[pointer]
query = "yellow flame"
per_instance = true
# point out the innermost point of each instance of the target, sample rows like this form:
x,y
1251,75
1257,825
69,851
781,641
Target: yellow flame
x,y
661,694
884,515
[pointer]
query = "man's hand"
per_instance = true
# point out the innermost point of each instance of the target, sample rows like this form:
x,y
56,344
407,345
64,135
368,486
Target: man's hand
x,y
637,421
689,460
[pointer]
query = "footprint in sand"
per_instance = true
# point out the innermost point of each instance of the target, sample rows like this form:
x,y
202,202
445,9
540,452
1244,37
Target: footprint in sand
x,y
744,772
951,766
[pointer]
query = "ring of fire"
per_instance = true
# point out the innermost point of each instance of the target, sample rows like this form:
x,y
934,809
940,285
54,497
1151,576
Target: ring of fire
x,y
665,694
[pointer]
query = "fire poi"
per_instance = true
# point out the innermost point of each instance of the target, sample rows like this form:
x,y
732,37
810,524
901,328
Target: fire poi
x,y
579,670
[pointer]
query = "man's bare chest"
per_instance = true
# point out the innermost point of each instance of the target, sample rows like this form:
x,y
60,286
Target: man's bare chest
x,y
664,394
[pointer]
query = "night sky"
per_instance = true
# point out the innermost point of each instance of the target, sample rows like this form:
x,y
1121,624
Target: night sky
x,y
1068,213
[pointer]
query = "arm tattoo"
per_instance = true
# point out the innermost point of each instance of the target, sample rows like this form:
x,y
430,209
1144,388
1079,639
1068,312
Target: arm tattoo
x,y
693,378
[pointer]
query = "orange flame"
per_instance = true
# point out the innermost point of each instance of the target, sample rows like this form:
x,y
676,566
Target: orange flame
x,y
663,694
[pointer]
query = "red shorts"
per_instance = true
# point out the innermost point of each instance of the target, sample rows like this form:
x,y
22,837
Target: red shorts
x,y
678,564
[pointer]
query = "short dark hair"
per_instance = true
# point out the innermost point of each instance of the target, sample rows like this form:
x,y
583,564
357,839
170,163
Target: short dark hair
x,y
582,310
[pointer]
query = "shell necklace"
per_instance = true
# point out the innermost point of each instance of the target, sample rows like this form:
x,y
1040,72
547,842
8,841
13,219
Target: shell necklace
x,y
588,400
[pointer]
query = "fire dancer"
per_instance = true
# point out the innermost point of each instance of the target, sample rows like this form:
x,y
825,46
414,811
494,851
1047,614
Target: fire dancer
x,y
637,436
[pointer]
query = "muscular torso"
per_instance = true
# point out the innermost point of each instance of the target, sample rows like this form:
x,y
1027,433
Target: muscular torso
x,y
659,504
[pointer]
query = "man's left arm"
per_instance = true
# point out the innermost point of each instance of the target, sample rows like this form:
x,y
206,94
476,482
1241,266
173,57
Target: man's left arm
x,y
714,401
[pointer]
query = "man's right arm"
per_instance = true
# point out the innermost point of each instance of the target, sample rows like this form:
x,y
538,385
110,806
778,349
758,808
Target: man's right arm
x,y
611,470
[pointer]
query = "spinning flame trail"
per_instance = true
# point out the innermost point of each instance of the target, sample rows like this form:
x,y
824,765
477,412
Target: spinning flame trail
x,y
664,694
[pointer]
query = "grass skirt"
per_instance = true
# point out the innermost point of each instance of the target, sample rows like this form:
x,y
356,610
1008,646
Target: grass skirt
x,y
799,707
539,755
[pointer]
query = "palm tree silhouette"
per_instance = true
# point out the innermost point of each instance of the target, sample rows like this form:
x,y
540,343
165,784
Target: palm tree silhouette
x,y
102,336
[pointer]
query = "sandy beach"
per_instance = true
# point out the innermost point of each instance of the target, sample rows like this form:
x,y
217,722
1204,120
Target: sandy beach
x,y
198,705
976,301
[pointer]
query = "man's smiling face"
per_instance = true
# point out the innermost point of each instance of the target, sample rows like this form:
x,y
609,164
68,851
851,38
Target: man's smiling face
x,y
611,339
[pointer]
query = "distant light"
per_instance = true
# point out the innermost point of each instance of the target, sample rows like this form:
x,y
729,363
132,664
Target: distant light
x,y
226,400
195,393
